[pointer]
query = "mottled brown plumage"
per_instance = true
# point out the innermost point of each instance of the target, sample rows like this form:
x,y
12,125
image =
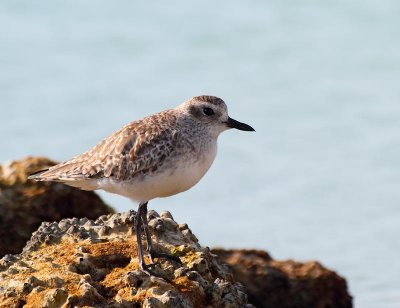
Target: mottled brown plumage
x,y
137,148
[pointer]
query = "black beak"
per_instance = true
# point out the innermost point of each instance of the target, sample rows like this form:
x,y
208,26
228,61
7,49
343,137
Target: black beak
x,y
239,125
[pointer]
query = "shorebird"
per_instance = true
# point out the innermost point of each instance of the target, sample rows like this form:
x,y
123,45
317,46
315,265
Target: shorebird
x,y
157,156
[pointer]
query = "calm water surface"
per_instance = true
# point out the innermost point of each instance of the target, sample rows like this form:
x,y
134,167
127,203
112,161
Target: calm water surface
x,y
319,81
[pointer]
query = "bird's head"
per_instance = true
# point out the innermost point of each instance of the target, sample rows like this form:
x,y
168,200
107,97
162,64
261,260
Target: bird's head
x,y
212,111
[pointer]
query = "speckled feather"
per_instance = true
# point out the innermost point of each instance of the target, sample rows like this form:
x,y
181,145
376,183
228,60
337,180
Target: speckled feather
x,y
137,148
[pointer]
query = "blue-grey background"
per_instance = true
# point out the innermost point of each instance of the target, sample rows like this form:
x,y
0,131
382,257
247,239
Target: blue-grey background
x,y
319,80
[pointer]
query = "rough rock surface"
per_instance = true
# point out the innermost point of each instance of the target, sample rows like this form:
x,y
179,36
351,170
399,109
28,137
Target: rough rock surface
x,y
285,284
81,262
24,204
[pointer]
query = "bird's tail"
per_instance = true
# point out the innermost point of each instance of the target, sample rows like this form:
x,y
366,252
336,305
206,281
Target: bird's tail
x,y
37,175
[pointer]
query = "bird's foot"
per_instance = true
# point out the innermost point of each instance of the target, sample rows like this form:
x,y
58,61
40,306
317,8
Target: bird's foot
x,y
145,268
161,255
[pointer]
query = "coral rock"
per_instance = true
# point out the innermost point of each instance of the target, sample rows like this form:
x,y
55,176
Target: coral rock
x,y
75,263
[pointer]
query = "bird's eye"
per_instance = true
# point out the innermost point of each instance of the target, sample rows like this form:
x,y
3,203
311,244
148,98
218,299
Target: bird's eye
x,y
208,111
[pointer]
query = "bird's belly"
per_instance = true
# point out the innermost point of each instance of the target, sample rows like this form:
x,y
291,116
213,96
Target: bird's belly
x,y
167,182
176,181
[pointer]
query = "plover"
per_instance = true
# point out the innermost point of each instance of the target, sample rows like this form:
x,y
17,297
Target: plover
x,y
157,156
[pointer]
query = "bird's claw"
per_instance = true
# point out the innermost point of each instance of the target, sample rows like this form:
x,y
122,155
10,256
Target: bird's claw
x,y
149,272
161,255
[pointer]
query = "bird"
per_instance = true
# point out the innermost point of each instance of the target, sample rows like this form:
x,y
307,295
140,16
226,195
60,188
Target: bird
x,y
157,156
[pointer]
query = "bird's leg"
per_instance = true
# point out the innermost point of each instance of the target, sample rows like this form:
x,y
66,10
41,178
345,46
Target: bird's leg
x,y
138,228
145,224
150,248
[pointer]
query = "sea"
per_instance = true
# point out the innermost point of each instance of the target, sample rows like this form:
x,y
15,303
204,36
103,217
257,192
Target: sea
x,y
318,80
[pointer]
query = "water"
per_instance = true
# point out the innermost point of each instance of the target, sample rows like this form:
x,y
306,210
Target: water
x,y
319,80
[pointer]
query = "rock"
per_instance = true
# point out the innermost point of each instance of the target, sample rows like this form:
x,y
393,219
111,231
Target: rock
x,y
74,263
84,261
284,284
24,204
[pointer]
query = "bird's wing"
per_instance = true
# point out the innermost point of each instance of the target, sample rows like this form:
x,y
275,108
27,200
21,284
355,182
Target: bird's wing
x,y
138,147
